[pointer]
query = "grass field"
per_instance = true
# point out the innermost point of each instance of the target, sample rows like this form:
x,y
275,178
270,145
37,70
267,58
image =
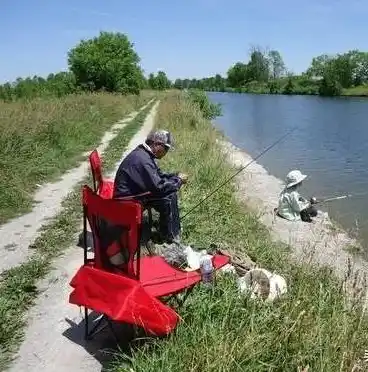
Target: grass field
x,y
42,138
221,331
359,91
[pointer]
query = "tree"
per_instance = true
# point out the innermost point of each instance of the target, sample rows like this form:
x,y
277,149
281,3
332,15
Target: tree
x,y
159,82
329,87
289,87
178,84
274,86
318,65
106,62
162,81
360,63
276,63
237,75
258,66
152,81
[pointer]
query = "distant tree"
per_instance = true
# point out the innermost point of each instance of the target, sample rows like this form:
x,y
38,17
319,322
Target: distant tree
x,y
318,65
57,85
162,81
289,87
274,86
159,82
360,66
237,75
258,66
152,81
106,62
329,86
219,83
179,84
276,64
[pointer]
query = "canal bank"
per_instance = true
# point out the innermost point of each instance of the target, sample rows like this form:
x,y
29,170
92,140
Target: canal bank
x,y
319,243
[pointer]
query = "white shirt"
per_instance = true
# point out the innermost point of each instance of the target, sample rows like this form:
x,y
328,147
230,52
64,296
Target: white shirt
x,y
144,144
290,204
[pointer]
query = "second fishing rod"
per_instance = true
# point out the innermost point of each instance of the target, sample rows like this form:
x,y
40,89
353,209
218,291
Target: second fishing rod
x,y
240,170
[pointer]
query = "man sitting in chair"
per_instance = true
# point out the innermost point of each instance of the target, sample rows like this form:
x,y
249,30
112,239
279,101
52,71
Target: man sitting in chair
x,y
138,173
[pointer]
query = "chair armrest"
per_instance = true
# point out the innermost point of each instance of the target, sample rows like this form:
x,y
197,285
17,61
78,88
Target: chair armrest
x,y
130,197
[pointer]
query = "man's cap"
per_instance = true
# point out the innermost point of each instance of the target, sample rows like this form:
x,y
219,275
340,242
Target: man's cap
x,y
163,137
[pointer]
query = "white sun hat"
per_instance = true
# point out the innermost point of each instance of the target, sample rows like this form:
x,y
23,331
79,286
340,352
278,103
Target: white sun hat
x,y
294,177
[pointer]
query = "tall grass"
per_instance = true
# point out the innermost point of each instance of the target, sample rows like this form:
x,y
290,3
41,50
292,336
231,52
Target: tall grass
x,y
42,138
222,331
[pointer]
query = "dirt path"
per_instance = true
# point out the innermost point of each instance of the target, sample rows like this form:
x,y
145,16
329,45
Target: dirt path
x,y
317,243
53,341
18,234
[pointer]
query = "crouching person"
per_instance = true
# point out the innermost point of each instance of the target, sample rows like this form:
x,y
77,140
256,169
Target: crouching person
x,y
292,206
138,173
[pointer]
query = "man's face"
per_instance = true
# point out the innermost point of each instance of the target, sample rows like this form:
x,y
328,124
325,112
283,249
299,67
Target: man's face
x,y
160,150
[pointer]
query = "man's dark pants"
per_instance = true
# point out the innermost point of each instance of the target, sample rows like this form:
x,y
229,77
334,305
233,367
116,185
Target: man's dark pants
x,y
167,207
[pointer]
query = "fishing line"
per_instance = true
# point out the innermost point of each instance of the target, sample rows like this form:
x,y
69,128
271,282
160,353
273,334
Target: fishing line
x,y
240,170
341,197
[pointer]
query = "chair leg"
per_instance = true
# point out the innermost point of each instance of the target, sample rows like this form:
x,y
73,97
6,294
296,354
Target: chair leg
x,y
112,330
150,224
85,323
96,328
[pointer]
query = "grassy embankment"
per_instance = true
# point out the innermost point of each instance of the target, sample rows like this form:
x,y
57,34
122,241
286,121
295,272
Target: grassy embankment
x,y
359,91
18,286
222,331
42,138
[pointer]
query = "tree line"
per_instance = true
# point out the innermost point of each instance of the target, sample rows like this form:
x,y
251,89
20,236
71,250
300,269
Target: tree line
x,y
107,62
266,72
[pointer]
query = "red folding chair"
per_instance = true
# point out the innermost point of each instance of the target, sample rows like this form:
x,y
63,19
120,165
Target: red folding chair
x,y
116,227
104,187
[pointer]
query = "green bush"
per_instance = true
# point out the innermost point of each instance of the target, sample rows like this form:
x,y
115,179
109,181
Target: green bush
x,y
330,87
209,110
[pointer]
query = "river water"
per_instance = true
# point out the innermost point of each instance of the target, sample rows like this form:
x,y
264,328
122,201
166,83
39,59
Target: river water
x,y
330,145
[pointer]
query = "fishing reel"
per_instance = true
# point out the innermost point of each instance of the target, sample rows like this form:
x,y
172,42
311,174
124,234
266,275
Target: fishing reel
x,y
313,200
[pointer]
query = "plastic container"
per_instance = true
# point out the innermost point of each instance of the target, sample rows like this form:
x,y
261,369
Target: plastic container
x,y
206,269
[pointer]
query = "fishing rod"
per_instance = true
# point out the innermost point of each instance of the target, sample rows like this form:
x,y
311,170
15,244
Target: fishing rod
x,y
240,170
333,198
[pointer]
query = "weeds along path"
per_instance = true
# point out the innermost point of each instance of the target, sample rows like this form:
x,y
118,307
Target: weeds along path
x,y
18,235
52,341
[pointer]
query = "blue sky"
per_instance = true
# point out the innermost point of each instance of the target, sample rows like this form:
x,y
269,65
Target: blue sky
x,y
187,38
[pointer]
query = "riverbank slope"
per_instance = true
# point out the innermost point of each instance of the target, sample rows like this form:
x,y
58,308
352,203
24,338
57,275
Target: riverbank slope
x,y
309,327
320,242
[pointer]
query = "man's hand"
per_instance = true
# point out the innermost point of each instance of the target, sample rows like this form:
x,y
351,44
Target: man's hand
x,y
183,177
